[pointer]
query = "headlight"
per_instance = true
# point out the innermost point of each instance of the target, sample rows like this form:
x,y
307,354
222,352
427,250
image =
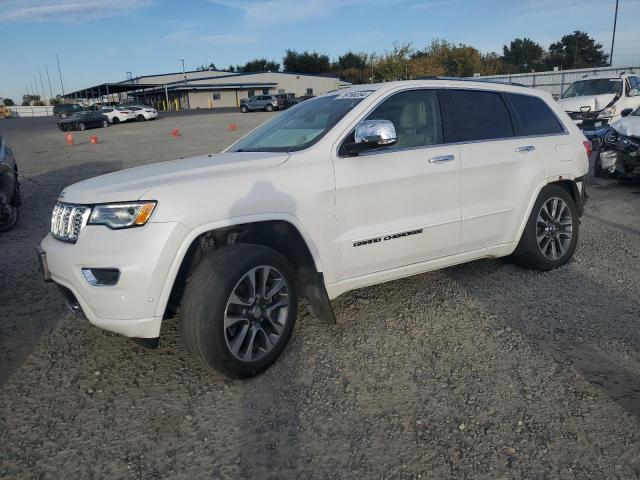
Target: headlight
x,y
122,215
608,112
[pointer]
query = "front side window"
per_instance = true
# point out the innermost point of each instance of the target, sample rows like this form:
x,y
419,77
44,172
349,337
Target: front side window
x,y
472,115
534,116
299,127
415,114
595,86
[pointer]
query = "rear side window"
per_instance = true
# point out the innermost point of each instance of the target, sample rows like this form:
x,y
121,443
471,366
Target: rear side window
x,y
534,117
471,115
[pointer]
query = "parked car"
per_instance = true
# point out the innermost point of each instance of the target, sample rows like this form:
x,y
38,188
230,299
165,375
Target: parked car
x,y
597,102
9,187
117,114
302,98
142,112
353,188
260,102
63,110
83,120
619,148
285,100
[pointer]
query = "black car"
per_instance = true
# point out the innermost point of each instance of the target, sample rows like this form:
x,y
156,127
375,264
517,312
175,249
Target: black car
x,y
9,187
63,110
285,100
83,120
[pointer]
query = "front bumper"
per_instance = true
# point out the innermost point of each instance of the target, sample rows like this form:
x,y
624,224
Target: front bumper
x,y
143,256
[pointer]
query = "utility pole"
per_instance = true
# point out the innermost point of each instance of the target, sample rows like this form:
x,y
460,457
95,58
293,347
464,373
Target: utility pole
x,y
60,73
613,39
184,74
49,81
35,83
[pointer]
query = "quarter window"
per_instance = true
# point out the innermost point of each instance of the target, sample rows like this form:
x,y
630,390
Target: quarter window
x,y
415,115
534,116
471,115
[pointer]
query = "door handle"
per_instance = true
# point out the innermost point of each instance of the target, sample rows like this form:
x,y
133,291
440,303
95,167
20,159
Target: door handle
x,y
442,158
526,148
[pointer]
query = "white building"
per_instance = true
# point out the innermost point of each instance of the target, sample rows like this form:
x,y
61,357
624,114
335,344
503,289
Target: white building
x,y
215,89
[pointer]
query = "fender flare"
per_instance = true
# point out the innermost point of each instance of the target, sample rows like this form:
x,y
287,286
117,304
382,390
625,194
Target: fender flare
x,y
228,222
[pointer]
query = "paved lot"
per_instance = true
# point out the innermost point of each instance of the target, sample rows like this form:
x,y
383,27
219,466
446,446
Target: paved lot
x,y
483,370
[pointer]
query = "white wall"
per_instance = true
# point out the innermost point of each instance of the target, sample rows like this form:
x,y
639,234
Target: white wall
x,y
31,111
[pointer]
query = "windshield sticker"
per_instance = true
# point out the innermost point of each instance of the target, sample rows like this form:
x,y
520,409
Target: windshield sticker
x,y
356,94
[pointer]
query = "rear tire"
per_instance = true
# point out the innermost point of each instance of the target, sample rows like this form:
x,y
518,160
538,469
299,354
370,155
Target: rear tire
x,y
244,109
269,108
231,326
550,236
81,127
105,124
140,118
115,120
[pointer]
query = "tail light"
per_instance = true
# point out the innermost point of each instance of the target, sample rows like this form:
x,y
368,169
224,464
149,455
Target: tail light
x,y
587,147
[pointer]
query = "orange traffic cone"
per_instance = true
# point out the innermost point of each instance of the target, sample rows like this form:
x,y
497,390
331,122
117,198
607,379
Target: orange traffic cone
x,y
69,138
232,127
93,139
175,132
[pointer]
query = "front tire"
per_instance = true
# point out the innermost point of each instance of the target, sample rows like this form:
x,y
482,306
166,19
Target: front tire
x,y
550,236
244,109
81,127
269,108
115,120
239,309
140,118
105,124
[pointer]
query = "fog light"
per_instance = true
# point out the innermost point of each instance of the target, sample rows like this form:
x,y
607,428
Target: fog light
x,y
101,277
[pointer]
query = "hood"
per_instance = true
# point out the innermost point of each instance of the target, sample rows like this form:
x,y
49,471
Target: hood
x,y
131,184
595,103
628,126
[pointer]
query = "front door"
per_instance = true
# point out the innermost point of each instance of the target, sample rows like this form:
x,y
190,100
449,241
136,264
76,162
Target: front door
x,y
401,204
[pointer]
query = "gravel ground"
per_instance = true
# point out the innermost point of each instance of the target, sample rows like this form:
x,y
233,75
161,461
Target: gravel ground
x,y
482,370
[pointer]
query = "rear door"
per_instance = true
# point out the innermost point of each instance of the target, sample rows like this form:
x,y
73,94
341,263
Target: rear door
x,y
498,169
400,204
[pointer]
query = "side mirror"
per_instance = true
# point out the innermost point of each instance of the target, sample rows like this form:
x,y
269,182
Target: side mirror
x,y
634,92
626,112
372,134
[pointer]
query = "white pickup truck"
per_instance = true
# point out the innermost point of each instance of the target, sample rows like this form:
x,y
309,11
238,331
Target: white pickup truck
x,y
349,189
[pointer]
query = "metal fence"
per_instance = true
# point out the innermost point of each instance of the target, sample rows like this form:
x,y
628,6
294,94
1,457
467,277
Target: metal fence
x,y
557,81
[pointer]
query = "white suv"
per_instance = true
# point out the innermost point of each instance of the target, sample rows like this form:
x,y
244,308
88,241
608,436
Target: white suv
x,y
593,103
349,189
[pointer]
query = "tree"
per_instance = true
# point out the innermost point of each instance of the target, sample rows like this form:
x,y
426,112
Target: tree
x,y
456,60
306,62
28,99
492,64
202,68
524,54
350,60
576,50
259,65
8,102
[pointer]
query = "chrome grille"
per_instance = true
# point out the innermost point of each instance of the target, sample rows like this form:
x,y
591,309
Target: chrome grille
x,y
67,220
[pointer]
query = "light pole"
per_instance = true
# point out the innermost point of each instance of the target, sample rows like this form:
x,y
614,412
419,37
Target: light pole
x,y
44,95
60,73
184,74
613,39
49,81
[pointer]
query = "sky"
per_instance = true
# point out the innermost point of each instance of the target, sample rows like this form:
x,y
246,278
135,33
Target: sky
x,y
101,40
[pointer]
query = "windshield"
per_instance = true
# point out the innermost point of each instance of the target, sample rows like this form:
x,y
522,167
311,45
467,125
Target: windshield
x,y
597,86
301,126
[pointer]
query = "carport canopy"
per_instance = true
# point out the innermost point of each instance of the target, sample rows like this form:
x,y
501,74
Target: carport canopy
x,y
97,91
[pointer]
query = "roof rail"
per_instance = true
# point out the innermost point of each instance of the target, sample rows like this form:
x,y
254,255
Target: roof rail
x,y
474,79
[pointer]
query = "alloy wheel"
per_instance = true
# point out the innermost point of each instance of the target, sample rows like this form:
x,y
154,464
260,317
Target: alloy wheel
x,y
554,228
256,313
